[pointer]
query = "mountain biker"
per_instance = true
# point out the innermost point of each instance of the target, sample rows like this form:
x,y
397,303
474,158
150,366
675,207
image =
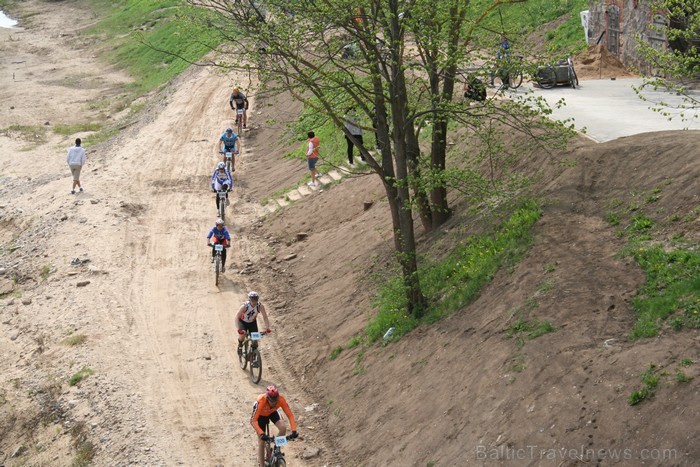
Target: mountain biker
x,y
247,318
229,143
241,103
265,410
219,234
221,181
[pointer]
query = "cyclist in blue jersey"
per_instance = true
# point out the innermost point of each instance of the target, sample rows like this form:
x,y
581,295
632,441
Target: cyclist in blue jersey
x,y
229,143
219,234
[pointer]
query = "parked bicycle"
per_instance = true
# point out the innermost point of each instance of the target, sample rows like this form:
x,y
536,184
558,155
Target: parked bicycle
x,y
509,72
250,356
562,72
274,457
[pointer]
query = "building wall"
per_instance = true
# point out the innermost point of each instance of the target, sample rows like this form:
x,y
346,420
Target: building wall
x,y
635,17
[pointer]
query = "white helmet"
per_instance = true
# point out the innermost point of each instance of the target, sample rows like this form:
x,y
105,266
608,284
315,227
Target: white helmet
x,y
220,165
219,222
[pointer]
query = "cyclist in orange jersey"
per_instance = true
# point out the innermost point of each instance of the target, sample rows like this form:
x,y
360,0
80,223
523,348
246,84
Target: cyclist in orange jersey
x,y
265,411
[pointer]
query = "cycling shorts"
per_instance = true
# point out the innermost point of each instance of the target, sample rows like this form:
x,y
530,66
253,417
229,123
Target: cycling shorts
x,y
263,421
251,327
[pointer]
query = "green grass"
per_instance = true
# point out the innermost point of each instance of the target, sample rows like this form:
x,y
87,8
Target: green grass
x,y
75,339
336,352
521,329
83,373
456,280
29,133
672,288
681,377
521,19
69,130
46,271
135,33
650,379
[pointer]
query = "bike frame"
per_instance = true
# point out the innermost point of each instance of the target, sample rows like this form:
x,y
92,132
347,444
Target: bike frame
x,y
239,120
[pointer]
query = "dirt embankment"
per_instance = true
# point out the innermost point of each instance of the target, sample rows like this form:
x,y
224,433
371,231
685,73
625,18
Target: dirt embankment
x,y
159,337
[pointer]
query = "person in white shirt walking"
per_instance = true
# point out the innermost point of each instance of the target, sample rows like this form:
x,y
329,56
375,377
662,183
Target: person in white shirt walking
x,y
76,159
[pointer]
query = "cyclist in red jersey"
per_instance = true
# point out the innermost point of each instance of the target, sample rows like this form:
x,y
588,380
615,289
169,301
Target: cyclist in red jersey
x,y
265,410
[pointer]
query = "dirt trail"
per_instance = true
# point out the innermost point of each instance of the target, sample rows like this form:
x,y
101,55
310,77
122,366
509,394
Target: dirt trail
x,y
166,387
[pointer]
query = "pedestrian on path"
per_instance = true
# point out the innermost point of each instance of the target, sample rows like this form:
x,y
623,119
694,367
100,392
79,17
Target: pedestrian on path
x,y
312,157
76,158
354,129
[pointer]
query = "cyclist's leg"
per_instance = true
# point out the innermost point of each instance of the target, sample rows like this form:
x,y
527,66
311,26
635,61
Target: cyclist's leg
x,y
279,423
245,117
223,257
241,337
262,422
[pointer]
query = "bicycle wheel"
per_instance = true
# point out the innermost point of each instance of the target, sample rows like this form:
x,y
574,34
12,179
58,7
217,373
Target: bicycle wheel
x,y
573,77
515,79
280,462
239,123
547,77
243,357
222,208
217,269
255,365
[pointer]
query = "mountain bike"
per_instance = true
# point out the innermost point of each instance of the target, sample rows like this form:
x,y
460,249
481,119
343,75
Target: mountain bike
x,y
218,249
221,208
239,120
274,457
510,72
251,355
230,159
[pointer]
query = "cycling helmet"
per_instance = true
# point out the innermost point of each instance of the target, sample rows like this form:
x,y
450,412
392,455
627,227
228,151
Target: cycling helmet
x,y
229,130
220,165
272,393
253,295
219,222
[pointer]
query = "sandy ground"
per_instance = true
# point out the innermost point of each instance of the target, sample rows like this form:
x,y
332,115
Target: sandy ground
x,y
159,336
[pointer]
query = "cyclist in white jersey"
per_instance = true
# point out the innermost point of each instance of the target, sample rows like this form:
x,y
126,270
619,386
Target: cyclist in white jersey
x,y
247,318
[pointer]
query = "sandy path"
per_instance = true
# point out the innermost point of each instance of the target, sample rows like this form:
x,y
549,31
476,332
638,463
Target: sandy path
x,y
167,387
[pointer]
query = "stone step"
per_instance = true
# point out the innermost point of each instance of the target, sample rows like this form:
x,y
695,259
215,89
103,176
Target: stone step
x,y
282,202
335,175
294,195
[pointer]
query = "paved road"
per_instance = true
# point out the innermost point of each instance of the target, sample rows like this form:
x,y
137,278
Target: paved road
x,y
610,109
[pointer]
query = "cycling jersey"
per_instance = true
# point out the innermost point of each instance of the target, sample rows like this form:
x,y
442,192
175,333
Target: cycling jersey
x,y
262,408
219,234
229,141
250,313
222,177
241,100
